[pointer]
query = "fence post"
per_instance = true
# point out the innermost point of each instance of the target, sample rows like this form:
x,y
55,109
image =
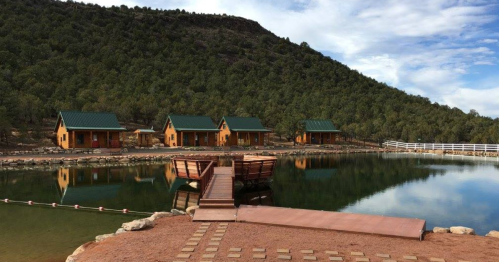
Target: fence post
x,y
474,147
485,147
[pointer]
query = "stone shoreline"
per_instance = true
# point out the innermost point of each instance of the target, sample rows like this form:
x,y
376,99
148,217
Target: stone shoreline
x,y
457,153
159,157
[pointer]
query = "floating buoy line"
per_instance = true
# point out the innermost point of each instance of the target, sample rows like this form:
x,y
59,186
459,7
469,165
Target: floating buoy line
x,y
100,209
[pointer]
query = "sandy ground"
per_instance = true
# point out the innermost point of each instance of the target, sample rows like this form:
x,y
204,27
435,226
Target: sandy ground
x,y
165,241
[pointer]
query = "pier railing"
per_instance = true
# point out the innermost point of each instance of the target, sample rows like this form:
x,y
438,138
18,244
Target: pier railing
x,y
435,146
206,177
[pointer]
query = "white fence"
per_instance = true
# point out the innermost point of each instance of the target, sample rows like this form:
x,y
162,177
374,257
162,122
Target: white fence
x,y
453,147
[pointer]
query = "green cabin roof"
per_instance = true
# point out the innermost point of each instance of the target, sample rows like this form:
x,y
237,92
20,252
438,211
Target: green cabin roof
x,y
75,120
144,131
244,124
191,123
315,125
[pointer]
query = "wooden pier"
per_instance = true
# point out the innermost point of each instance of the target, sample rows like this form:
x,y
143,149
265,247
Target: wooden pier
x,y
220,190
217,204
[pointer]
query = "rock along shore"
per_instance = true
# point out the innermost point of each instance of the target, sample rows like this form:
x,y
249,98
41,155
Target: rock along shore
x,y
11,163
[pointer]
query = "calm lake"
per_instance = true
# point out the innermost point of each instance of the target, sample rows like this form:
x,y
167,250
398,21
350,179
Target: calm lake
x,y
445,191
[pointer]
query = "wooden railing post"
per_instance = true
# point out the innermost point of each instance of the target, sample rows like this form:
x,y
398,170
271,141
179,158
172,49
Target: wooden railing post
x,y
186,169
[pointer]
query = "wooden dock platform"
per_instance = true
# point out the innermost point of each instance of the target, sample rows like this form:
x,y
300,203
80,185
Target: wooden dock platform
x,y
217,204
337,221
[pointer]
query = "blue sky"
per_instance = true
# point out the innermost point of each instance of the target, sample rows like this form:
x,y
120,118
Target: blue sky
x,y
446,50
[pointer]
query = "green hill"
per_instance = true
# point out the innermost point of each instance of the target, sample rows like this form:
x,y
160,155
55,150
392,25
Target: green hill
x,y
143,64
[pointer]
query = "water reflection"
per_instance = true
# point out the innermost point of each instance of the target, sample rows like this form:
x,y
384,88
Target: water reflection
x,y
334,182
255,196
185,197
444,191
138,188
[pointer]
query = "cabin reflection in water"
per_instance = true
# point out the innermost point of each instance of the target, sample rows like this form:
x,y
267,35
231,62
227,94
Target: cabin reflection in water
x,y
304,163
170,175
316,168
87,185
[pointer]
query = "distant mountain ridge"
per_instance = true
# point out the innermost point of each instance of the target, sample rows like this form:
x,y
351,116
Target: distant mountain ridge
x,y
144,64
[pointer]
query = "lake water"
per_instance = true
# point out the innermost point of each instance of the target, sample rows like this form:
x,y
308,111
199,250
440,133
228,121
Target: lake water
x,y
445,191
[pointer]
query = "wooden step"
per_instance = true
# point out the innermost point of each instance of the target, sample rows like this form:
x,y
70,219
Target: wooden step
x,y
216,205
219,201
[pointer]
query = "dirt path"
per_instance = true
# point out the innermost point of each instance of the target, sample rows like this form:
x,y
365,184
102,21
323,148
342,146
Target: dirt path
x,y
170,235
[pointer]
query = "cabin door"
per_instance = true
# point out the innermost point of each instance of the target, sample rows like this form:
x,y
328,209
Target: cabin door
x,y
186,140
95,141
196,138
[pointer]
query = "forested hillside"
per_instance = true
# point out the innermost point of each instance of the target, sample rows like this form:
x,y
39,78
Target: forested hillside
x,y
144,64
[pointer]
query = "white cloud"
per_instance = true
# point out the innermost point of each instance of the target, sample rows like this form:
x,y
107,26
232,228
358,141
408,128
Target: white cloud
x,y
382,67
488,41
482,100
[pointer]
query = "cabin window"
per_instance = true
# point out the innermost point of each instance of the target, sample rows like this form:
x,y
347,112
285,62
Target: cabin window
x,y
227,137
80,139
170,125
64,137
62,124
206,139
225,126
173,137
110,137
256,138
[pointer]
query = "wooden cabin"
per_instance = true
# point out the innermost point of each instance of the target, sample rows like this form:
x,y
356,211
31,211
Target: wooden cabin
x,y
144,137
190,131
319,132
241,131
88,130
